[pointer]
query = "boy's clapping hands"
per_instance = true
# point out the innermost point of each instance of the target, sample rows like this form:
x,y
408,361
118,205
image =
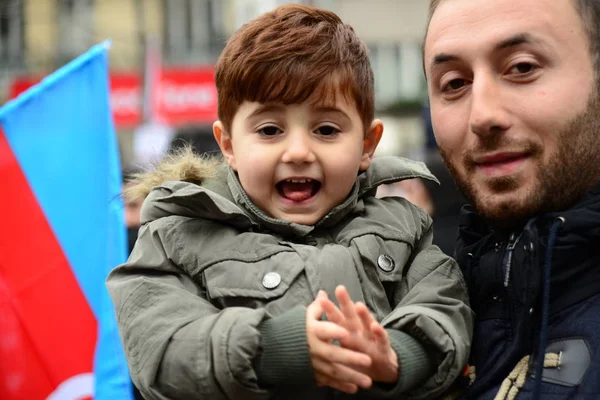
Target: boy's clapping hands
x,y
365,354
333,365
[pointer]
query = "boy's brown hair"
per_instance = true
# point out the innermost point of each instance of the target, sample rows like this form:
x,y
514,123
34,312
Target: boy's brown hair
x,y
293,54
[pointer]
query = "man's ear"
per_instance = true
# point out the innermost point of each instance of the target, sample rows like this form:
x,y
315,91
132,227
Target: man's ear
x,y
372,138
223,139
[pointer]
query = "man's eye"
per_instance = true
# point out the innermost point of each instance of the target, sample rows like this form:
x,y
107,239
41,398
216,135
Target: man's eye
x,y
269,131
522,68
327,130
455,84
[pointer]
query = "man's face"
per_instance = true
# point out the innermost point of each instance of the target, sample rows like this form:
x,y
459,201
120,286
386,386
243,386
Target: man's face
x,y
513,103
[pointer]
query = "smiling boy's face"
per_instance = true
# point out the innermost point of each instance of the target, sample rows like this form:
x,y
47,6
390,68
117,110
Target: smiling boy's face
x,y
297,162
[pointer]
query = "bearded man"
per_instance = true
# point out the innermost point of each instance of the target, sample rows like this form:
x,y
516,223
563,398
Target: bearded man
x,y
513,87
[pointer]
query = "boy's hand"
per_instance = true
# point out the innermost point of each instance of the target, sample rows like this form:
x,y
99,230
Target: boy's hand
x,y
366,335
333,365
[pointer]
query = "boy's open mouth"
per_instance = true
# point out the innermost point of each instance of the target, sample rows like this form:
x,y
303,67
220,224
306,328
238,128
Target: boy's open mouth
x,y
298,190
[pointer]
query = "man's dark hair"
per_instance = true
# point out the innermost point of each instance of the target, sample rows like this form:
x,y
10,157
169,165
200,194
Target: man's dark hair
x,y
589,12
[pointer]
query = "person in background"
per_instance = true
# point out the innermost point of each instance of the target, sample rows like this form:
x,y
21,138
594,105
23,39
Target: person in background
x,y
442,201
132,209
132,224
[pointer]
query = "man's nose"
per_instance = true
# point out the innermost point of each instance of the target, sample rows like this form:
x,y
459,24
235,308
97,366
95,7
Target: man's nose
x,y
299,148
488,114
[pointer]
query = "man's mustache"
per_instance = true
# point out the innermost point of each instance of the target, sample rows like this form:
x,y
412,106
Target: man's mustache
x,y
487,147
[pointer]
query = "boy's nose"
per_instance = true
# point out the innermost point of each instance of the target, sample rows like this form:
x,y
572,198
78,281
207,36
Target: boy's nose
x,y
298,149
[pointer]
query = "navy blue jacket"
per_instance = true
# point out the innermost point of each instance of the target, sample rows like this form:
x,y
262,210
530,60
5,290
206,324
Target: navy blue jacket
x,y
535,287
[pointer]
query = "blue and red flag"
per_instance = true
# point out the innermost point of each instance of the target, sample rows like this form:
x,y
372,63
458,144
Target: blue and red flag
x,y
62,230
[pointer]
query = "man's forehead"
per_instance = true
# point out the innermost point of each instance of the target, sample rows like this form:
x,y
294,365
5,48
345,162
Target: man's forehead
x,y
498,6
482,25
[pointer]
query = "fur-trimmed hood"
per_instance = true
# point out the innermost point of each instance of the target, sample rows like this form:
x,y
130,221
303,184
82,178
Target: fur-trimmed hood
x,y
183,165
188,185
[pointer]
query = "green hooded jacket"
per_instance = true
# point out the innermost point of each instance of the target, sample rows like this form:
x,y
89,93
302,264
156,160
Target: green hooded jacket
x,y
211,303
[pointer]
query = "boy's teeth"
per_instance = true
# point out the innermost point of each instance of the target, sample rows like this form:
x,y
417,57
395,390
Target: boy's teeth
x,y
298,180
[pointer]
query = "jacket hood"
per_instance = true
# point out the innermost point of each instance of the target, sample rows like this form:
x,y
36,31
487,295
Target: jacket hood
x,y
182,165
200,187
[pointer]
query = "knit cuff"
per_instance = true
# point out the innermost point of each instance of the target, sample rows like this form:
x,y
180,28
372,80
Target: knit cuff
x,y
415,366
285,357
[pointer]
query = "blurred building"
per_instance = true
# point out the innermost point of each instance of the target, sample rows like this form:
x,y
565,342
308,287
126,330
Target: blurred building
x,y
40,35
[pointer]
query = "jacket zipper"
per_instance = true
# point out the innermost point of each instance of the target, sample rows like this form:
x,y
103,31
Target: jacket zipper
x,y
512,243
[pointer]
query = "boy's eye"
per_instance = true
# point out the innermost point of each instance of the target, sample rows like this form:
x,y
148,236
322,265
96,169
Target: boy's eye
x,y
327,130
269,130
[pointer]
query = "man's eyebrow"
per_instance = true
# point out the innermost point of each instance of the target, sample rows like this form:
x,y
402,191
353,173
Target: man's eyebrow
x,y
517,40
442,58
513,41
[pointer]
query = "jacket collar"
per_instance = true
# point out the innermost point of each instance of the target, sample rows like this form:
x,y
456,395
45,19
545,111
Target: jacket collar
x,y
229,202
582,218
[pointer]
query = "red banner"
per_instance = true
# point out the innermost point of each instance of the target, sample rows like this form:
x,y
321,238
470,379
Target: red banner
x,y
183,95
186,95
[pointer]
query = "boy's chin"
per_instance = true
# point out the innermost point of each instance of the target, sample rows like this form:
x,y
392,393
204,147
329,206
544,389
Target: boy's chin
x,y
308,219
303,219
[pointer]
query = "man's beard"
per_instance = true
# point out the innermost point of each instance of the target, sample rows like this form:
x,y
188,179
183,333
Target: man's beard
x,y
570,173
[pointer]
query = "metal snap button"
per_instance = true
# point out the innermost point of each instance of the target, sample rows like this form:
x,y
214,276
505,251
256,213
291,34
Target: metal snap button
x,y
271,280
386,263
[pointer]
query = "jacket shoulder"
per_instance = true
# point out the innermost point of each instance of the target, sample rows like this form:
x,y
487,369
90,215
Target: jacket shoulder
x,y
393,218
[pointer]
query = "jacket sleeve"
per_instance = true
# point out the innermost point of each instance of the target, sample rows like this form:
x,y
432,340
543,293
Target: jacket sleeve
x,y
178,345
433,309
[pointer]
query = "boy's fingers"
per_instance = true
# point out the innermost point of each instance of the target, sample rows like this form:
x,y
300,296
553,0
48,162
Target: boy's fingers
x,y
381,335
347,308
336,354
334,372
327,331
333,313
315,309
365,316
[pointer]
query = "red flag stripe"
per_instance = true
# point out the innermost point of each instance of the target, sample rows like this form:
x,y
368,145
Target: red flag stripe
x,y
51,329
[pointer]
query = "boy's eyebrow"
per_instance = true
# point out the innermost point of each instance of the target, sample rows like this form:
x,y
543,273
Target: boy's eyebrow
x,y
512,41
265,108
332,109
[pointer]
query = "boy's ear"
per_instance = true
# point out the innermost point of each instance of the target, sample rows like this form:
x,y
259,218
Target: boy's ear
x,y
223,139
372,138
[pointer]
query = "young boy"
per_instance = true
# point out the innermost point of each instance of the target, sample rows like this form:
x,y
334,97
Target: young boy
x,y
236,262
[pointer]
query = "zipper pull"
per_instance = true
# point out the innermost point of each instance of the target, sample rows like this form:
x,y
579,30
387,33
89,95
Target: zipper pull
x,y
512,243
